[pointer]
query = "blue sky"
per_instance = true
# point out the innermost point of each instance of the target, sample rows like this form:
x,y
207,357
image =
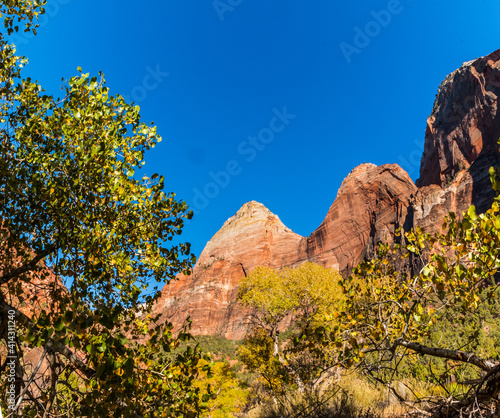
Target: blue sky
x,y
268,100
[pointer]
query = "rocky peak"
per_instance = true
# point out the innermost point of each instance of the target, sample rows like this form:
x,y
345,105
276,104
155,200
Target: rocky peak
x,y
253,230
363,174
251,213
464,122
371,203
251,208
253,236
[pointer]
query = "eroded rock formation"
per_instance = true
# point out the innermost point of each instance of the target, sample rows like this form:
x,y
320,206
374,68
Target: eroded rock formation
x,y
464,123
461,143
371,204
252,237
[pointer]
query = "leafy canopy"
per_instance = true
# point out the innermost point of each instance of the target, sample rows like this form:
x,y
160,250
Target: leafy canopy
x,y
300,299
75,211
309,290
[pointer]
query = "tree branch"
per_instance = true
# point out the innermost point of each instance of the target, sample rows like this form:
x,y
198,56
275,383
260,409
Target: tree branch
x,y
458,355
53,383
57,347
33,375
27,267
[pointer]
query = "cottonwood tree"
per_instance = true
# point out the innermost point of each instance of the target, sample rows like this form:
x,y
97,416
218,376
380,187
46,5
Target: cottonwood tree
x,y
82,235
390,311
295,298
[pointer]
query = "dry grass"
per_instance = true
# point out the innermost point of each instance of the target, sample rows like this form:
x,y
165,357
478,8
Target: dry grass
x,y
351,397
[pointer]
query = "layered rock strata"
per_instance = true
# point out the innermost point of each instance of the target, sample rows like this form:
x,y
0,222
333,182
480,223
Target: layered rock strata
x,y
464,123
252,237
371,204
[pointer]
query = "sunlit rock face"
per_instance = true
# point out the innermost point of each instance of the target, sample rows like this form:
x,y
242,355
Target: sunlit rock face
x,y
371,204
464,123
252,237
461,143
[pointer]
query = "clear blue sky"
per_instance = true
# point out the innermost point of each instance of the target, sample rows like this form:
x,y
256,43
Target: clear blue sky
x,y
321,86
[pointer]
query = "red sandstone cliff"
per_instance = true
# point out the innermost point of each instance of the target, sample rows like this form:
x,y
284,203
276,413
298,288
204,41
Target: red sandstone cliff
x,y
464,123
460,146
252,237
371,204
461,143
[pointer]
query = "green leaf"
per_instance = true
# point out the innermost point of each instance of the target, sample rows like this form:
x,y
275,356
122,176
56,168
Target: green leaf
x,y
59,324
129,367
472,212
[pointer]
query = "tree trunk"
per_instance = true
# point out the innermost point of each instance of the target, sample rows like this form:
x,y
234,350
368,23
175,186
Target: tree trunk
x,y
289,369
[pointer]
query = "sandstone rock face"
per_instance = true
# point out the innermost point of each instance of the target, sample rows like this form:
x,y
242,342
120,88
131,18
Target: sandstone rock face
x,y
469,187
464,122
252,237
39,286
460,146
371,204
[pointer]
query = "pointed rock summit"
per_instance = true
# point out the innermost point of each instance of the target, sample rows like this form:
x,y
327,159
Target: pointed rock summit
x,y
372,202
253,236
